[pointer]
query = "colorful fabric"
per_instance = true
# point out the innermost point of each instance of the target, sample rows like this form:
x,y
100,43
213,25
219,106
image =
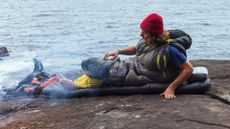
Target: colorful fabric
x,y
85,81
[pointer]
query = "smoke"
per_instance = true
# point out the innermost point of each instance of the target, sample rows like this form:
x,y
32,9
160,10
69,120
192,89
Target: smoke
x,y
2,93
13,71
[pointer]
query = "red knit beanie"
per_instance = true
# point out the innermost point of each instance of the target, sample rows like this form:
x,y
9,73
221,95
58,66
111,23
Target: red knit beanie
x,y
153,24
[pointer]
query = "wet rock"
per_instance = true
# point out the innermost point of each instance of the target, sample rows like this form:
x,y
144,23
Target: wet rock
x,y
4,51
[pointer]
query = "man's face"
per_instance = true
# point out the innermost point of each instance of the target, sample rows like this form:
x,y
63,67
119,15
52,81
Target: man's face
x,y
146,36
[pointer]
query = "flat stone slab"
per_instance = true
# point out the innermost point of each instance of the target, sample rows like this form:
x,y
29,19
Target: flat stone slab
x,y
121,112
219,72
126,112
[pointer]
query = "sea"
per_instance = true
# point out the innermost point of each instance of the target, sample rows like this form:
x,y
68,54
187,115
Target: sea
x,y
62,33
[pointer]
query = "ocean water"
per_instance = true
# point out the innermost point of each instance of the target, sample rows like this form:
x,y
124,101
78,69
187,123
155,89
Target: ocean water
x,y
61,33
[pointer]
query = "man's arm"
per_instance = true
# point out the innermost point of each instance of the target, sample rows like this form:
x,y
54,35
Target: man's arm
x,y
186,70
131,50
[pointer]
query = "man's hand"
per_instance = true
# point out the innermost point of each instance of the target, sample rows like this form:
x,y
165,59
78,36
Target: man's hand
x,y
112,54
186,70
131,50
168,93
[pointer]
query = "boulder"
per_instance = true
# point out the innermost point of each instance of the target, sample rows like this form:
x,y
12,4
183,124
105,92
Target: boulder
x,y
4,51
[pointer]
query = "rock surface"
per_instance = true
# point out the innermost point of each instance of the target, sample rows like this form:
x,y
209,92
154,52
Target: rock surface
x,y
3,51
127,112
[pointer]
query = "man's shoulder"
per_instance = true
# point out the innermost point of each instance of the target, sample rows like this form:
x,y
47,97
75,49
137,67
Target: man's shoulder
x,y
177,57
173,49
